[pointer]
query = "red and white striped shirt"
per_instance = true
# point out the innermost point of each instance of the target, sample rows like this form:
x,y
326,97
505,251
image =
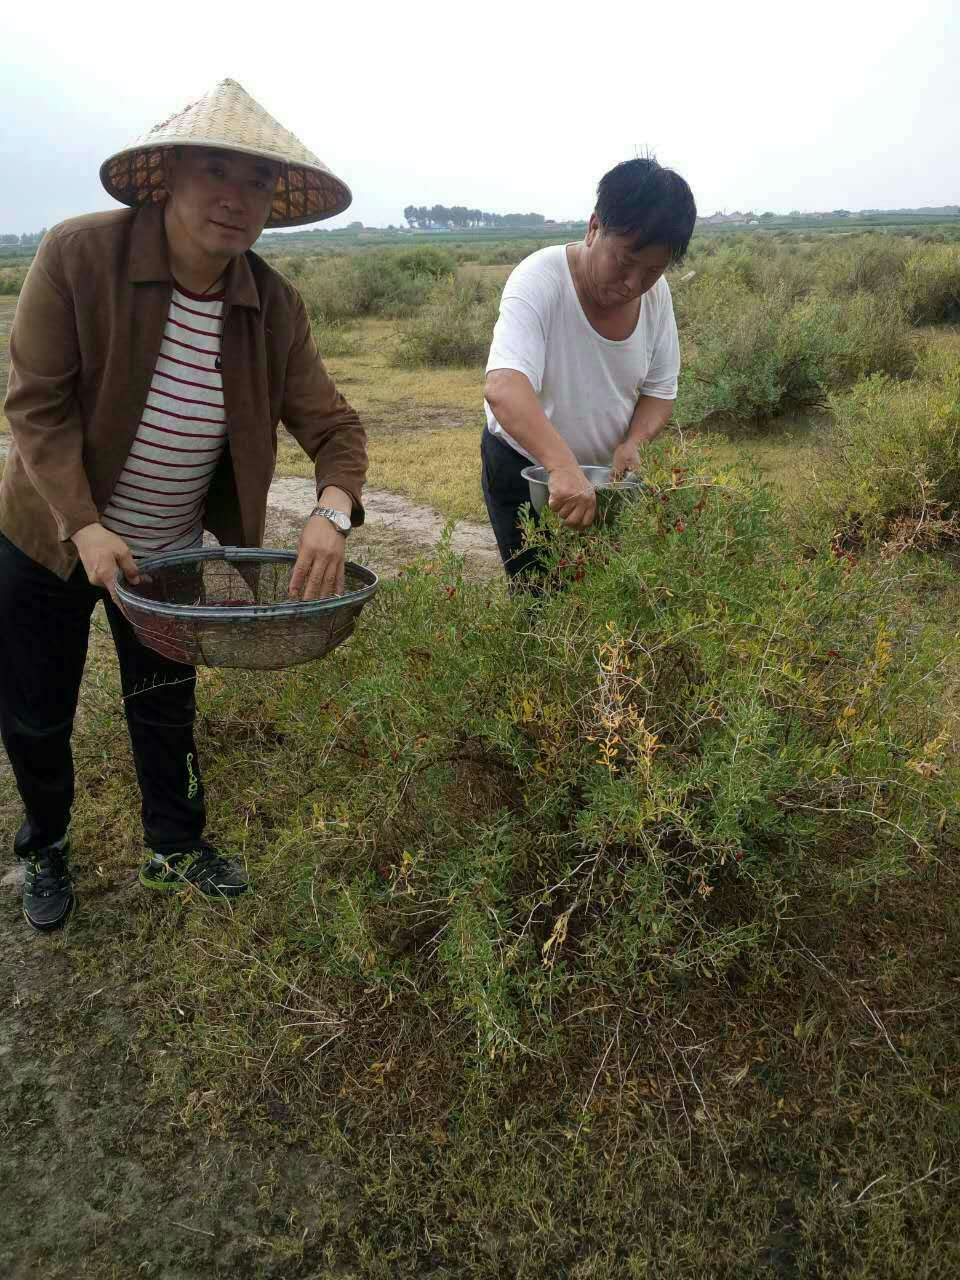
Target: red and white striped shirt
x,y
157,504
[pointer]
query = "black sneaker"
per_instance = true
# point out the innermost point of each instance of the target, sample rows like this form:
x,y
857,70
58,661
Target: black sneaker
x,y
48,896
201,869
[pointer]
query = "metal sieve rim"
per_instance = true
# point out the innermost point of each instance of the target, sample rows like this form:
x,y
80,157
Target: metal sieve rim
x,y
241,613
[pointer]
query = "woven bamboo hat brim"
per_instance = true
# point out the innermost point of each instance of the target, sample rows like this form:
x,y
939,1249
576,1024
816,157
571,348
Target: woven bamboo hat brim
x,y
228,118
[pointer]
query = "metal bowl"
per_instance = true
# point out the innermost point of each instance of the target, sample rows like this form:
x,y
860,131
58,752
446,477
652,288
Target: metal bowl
x,y
228,607
611,495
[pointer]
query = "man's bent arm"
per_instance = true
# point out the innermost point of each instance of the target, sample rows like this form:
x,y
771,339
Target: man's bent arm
x,y
649,418
511,396
514,404
41,403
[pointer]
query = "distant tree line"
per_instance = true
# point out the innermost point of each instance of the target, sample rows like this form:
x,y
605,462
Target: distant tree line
x,y
26,240
460,217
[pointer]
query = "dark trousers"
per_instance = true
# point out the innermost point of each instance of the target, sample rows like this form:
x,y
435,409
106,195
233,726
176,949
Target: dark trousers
x,y
505,491
44,628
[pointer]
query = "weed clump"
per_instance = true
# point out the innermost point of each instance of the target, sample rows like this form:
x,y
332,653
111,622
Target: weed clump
x,y
754,357
12,278
334,338
931,284
889,470
454,328
389,283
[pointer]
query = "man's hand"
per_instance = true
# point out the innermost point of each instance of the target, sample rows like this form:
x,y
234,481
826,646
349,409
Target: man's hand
x,y
572,496
320,556
102,553
626,457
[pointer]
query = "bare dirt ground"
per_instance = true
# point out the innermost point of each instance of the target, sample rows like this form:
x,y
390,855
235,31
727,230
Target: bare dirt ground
x,y
87,1189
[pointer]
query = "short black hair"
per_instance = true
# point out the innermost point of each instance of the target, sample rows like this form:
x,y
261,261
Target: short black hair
x,y
653,205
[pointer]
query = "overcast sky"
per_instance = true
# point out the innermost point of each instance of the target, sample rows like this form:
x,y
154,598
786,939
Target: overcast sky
x,y
504,106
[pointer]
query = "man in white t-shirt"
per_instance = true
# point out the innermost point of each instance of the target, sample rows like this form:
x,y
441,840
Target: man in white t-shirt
x,y
584,360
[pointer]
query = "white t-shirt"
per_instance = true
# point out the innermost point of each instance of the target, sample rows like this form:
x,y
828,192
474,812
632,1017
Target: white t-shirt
x,y
588,385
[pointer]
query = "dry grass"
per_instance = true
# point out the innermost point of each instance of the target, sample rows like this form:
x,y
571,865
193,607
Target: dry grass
x,y
944,336
781,456
396,397
492,275
439,469
433,468
424,425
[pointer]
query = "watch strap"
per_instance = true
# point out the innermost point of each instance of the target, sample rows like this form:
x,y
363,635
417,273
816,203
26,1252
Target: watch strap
x,y
335,517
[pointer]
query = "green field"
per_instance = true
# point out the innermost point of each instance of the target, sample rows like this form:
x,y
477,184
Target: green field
x,y
609,935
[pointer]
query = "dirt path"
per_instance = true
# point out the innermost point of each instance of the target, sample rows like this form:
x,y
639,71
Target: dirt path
x,y
394,527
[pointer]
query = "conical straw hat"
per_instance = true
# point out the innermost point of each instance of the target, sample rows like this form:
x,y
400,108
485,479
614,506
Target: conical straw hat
x,y
230,119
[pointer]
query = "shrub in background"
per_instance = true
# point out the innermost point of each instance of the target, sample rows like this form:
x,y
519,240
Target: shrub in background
x,y
426,260
508,253
335,339
331,289
736,367
851,339
12,278
388,282
890,467
931,284
454,328
706,303
872,264
753,357
389,286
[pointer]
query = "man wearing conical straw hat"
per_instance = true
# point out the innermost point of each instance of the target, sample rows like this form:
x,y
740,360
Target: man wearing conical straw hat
x,y
151,359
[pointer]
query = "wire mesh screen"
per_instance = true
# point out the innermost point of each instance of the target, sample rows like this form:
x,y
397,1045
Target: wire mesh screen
x,y
229,607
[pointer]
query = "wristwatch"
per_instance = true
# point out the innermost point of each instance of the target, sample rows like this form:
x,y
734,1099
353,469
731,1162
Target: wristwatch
x,y
340,522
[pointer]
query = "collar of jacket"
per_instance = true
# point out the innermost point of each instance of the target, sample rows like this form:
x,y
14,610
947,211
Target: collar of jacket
x,y
150,262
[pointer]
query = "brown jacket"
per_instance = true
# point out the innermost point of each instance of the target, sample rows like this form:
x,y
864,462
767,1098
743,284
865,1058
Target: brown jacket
x,y
85,340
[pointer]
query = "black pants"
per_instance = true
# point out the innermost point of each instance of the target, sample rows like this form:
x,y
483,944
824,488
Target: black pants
x,y
505,491
44,628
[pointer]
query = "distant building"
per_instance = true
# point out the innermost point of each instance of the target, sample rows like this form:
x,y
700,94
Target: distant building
x,y
726,219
